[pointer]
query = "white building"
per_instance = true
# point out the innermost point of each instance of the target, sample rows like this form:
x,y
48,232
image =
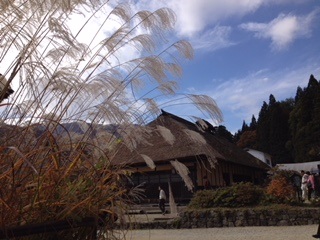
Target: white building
x,y
264,157
313,167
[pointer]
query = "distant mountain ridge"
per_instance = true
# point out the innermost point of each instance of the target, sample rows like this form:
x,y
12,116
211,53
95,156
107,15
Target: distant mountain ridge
x,y
63,128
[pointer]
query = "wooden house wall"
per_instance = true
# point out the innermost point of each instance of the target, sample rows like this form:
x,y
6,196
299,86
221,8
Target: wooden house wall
x,y
163,174
226,173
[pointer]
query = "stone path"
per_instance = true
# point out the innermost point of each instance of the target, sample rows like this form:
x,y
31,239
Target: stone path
x,y
234,233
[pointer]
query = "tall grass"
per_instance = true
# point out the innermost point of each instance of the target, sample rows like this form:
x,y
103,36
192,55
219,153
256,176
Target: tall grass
x,y
70,61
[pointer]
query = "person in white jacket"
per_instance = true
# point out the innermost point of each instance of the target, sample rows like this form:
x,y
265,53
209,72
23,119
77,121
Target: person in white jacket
x,y
162,200
304,185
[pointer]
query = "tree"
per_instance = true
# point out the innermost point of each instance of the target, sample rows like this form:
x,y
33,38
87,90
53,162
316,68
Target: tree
x,y
288,130
245,126
279,133
237,135
222,131
280,186
253,124
272,100
273,131
61,78
263,129
248,139
304,123
298,94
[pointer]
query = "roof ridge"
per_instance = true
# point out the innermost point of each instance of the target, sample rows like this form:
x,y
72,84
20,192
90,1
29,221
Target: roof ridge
x,y
175,117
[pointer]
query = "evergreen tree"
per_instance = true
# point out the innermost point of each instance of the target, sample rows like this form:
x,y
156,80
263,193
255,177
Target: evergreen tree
x,y
288,130
263,129
272,100
314,151
304,123
288,104
245,126
237,136
298,94
253,124
273,130
279,133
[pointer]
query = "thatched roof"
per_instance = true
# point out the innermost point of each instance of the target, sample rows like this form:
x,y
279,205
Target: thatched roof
x,y
189,141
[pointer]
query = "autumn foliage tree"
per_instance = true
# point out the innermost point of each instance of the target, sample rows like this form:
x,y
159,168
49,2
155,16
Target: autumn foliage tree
x,y
281,187
248,139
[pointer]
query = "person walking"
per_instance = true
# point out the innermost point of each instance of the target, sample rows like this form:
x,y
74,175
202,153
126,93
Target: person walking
x,y
162,200
304,185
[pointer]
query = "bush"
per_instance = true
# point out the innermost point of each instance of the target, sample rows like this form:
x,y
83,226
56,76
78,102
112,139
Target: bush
x,y
238,195
281,189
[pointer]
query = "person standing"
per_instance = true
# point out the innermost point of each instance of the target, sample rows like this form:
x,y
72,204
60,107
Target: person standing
x,y
162,200
304,185
296,181
310,185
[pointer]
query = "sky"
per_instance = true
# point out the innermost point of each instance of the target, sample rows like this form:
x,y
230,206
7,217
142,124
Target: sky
x,y
245,50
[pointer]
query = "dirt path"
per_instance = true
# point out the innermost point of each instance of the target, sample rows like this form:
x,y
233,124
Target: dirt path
x,y
236,233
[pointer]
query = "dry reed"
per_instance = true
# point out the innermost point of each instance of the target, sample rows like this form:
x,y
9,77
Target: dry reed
x,y
47,170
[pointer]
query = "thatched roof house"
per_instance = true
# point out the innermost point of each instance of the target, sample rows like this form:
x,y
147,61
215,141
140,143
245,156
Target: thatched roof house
x,y
174,140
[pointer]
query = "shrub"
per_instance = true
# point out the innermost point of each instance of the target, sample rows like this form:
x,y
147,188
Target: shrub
x,y
238,195
203,199
281,188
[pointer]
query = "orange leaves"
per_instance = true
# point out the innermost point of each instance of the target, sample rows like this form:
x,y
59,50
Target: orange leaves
x,y
281,188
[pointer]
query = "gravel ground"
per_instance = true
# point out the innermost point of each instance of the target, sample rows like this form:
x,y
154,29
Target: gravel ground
x,y
235,233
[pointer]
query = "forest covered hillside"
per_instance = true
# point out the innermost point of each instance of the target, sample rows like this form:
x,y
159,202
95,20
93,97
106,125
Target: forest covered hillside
x,y
289,130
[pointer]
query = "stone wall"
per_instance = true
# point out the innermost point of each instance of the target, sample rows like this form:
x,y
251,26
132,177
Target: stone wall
x,y
236,218
249,217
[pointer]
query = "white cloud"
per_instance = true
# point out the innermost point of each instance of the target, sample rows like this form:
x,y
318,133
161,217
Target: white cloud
x,y
213,39
195,16
244,96
284,29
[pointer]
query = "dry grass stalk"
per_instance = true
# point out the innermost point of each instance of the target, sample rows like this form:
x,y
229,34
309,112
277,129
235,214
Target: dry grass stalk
x,y
50,172
183,171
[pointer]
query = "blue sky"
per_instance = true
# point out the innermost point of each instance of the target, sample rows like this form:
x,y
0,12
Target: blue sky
x,y
245,50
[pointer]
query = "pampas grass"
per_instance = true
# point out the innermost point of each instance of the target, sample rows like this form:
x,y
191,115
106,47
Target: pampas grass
x,y
183,171
48,171
166,134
